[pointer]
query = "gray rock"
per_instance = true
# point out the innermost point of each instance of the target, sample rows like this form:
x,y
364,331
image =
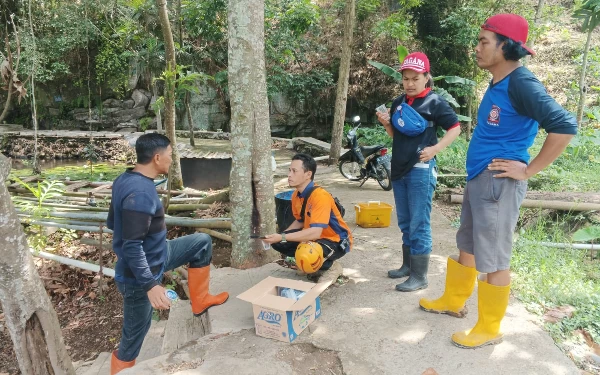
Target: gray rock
x,y
141,98
111,103
126,115
128,104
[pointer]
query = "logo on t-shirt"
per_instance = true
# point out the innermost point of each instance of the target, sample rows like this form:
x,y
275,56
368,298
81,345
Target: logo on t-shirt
x,y
494,116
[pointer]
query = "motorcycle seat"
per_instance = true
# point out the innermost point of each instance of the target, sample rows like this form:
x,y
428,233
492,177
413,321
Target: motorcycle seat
x,y
369,150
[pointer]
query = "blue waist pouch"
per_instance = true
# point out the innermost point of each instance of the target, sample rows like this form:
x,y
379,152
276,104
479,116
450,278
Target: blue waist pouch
x,y
408,121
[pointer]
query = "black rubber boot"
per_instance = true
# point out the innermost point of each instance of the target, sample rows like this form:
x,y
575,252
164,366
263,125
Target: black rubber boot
x,y
419,264
403,271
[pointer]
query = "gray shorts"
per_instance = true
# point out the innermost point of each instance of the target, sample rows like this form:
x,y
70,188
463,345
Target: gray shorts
x,y
490,211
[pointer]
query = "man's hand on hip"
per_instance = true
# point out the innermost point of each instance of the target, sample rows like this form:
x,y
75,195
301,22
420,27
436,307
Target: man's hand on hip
x,y
158,298
510,168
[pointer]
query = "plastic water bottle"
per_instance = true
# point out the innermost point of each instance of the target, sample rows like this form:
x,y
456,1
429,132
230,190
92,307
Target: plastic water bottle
x,y
171,295
291,293
273,162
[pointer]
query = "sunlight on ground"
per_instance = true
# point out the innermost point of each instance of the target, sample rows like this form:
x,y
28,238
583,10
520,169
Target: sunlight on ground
x,y
355,275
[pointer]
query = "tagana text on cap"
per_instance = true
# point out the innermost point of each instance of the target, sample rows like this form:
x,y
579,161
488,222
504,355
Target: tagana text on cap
x,y
511,26
416,61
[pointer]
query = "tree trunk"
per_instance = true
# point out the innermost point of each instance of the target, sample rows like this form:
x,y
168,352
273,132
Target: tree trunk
x,y
582,85
159,126
36,162
8,100
175,172
253,208
28,312
189,118
536,21
342,85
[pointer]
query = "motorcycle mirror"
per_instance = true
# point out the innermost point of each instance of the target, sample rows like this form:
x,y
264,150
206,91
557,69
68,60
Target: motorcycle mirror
x,y
356,118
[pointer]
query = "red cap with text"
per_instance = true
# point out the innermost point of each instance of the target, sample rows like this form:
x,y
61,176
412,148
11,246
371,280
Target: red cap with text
x,y
511,26
416,61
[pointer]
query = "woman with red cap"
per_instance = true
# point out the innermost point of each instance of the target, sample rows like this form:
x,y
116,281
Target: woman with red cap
x,y
412,123
513,109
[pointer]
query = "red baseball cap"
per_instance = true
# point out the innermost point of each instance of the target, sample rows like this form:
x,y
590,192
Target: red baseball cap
x,y
511,26
416,61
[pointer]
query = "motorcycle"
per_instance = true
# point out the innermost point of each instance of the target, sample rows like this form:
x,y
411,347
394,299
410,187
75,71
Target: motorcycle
x,y
363,162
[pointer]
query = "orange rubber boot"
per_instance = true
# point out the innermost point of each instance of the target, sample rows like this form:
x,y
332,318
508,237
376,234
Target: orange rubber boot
x,y
198,280
116,365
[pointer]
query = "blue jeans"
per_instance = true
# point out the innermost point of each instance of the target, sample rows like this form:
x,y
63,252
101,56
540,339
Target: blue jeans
x,y
195,249
413,194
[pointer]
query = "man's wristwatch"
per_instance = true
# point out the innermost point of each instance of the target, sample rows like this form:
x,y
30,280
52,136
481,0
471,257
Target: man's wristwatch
x,y
283,237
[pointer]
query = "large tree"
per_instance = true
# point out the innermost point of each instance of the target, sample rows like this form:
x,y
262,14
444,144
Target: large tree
x,y
253,210
28,312
342,84
170,78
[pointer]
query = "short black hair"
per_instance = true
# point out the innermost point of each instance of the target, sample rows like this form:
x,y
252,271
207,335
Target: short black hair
x,y
511,50
308,163
149,145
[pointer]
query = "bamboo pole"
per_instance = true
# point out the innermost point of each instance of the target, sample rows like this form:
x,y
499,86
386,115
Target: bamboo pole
x,y
100,217
215,234
554,205
188,207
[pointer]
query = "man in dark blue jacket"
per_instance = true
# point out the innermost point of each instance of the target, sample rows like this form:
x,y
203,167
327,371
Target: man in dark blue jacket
x,y
513,109
137,218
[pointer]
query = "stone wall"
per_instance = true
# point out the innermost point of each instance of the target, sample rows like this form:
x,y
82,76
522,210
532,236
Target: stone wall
x,y
287,118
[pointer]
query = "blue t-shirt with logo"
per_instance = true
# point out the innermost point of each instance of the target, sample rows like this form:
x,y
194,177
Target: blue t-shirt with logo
x,y
508,119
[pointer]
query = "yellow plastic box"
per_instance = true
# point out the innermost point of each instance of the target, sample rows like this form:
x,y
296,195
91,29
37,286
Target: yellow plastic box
x,y
373,214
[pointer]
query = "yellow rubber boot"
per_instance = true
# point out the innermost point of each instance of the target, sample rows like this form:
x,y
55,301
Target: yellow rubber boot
x,y
460,282
492,304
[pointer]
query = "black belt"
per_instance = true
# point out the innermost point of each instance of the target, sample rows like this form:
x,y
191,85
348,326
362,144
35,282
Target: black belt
x,y
129,274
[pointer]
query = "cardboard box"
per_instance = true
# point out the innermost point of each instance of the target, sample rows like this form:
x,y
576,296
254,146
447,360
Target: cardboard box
x,y
282,318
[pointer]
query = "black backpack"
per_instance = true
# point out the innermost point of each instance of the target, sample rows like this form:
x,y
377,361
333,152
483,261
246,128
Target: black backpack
x,y
338,204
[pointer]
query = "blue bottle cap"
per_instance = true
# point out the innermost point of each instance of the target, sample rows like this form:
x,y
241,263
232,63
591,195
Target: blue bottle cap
x,y
171,294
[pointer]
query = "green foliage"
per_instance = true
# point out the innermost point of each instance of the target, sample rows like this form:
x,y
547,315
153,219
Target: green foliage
x,y
547,277
453,158
589,12
47,189
145,123
448,32
102,172
365,8
369,136
396,26
112,66
42,191
591,233
388,70
298,86
577,169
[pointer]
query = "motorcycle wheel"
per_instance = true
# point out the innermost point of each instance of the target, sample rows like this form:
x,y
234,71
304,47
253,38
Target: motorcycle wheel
x,y
351,170
383,178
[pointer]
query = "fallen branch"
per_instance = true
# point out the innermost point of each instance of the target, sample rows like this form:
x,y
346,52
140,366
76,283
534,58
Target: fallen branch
x,y
554,205
214,233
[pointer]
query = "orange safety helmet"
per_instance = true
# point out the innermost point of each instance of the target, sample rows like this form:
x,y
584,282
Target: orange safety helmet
x,y
309,257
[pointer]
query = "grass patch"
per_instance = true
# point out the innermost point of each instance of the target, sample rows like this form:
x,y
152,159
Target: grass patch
x,y
546,277
99,172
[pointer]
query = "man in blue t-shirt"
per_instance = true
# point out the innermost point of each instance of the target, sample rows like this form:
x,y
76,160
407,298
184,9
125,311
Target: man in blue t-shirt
x,y
137,218
513,108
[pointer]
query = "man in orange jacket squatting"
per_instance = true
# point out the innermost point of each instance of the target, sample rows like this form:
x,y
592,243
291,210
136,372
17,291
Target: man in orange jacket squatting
x,y
320,236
